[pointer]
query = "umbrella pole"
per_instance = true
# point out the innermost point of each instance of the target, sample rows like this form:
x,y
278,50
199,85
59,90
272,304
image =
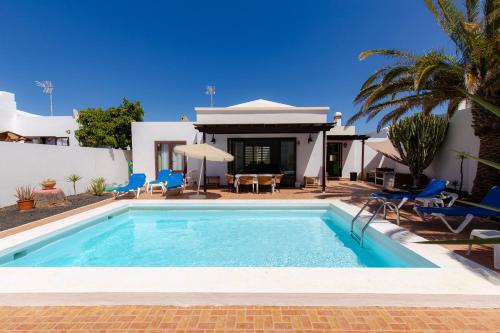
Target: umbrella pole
x,y
199,178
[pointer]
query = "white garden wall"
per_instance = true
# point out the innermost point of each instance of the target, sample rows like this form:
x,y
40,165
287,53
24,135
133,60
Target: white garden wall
x,y
460,137
28,164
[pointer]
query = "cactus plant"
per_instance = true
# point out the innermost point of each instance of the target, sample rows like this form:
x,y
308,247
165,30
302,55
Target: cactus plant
x,y
417,139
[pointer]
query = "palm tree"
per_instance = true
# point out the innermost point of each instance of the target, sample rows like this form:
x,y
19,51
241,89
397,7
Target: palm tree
x,y
425,82
407,84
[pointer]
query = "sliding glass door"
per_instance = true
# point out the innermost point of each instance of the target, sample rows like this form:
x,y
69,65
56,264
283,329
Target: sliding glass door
x,y
166,158
264,155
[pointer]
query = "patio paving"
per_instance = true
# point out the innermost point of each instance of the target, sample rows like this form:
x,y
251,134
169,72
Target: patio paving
x,y
247,319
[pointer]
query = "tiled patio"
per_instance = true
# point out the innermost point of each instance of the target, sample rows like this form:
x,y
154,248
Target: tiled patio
x,y
247,319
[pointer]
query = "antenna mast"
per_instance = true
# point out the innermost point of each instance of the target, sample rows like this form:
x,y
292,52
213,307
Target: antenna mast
x,y
47,88
210,90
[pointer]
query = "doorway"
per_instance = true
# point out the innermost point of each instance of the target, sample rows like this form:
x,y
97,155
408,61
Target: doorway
x,y
166,158
334,159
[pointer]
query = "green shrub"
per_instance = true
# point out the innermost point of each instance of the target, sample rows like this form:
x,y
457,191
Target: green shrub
x,y
97,186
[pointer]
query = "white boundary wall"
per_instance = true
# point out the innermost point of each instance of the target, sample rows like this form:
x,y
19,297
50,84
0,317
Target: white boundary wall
x,y
29,164
460,137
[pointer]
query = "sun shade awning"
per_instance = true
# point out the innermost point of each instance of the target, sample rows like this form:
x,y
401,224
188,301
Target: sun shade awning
x,y
204,150
386,148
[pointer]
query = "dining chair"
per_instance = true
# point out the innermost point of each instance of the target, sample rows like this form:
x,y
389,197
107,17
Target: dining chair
x,y
246,181
230,182
277,181
265,181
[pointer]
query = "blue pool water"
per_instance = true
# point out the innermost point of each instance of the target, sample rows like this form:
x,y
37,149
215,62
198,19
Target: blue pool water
x,y
211,238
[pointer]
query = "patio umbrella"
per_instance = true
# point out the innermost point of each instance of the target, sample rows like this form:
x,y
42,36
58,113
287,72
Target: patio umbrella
x,y
386,148
201,152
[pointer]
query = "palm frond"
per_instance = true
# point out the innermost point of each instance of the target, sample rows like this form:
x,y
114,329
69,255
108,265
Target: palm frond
x,y
386,52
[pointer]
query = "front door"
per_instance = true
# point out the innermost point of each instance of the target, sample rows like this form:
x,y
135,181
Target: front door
x,y
334,159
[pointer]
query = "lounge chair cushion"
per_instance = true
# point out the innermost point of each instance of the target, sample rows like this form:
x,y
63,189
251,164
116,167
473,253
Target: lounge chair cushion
x,y
176,180
137,180
435,187
459,211
163,176
393,196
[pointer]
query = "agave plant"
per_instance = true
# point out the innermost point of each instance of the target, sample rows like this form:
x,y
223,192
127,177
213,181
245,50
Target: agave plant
x,y
425,82
97,186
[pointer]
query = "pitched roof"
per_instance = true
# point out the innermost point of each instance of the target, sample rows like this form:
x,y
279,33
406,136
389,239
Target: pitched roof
x,y
261,103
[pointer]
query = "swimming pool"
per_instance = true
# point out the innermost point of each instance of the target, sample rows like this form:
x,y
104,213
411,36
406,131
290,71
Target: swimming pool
x,y
275,252
215,235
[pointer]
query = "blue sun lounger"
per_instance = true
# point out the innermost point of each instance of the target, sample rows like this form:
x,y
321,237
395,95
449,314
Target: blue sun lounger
x,y
135,183
431,191
176,181
161,181
429,195
492,198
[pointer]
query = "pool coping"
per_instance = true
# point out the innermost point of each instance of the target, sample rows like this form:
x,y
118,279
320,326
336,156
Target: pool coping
x,y
476,286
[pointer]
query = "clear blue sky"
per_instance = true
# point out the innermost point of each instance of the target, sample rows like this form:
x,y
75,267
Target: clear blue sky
x,y
163,53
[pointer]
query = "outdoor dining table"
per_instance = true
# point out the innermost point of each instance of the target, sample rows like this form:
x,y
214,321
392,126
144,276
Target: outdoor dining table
x,y
254,175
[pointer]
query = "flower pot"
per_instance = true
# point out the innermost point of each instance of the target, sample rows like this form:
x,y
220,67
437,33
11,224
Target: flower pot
x,y
23,205
48,185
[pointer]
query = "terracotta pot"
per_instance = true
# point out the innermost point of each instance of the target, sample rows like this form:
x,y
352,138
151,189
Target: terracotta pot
x,y
48,185
23,205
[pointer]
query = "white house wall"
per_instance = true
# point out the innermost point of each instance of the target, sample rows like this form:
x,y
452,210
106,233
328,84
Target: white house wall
x,y
144,135
27,124
59,126
8,111
261,117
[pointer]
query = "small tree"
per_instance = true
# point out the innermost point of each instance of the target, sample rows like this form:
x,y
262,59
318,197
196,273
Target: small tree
x,y
73,178
110,127
417,139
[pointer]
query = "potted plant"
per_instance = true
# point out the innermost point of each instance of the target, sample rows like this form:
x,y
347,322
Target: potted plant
x,y
48,184
25,198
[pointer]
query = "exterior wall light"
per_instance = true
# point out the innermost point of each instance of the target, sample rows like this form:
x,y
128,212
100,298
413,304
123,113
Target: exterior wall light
x,y
309,139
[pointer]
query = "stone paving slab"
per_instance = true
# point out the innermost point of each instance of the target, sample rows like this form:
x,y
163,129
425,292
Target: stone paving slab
x,y
247,319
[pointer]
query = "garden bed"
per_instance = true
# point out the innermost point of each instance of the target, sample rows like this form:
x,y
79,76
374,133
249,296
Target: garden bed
x,y
10,217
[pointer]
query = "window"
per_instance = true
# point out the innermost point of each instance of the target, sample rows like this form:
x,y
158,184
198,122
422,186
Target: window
x,y
48,140
166,158
62,141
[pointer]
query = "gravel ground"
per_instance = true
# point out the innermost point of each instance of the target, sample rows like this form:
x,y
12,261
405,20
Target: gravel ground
x,y
10,217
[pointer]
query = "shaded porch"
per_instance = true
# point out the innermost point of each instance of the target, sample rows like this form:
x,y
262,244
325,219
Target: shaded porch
x,y
267,155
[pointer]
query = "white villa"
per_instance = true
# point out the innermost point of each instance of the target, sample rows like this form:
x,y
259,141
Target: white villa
x,y
263,136
56,130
